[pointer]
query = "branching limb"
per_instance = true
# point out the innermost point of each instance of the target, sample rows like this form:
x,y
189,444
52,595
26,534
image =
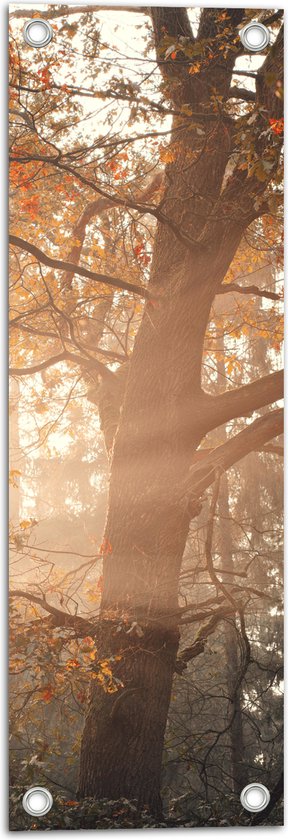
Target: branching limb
x,y
254,436
201,639
64,11
63,265
242,93
116,200
61,618
227,288
94,365
240,402
97,208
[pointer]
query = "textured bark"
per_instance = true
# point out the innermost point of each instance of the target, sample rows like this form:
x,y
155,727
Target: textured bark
x,y
147,528
124,732
146,531
163,418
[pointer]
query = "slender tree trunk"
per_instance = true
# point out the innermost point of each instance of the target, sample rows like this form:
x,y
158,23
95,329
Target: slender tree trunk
x,y
17,461
238,771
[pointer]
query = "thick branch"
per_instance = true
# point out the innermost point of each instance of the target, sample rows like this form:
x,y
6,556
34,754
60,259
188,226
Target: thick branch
x,y
116,200
96,208
253,437
241,93
62,619
199,644
269,93
210,22
63,265
278,15
173,22
245,185
96,366
64,11
226,288
241,402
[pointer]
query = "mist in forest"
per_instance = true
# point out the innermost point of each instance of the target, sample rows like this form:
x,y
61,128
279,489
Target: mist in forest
x,y
146,445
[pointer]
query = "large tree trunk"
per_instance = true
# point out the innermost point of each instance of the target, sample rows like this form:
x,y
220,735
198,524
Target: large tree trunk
x,y
147,524
163,419
123,737
146,532
161,425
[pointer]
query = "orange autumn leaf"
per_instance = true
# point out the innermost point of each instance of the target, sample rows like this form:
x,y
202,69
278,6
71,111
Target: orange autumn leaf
x,y
25,523
277,126
138,249
47,694
195,68
45,76
88,641
31,206
72,663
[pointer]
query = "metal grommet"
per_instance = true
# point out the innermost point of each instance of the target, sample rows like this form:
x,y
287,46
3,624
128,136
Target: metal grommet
x,y
37,32
255,36
37,801
255,797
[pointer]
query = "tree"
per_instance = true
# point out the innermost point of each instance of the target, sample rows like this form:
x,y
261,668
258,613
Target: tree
x,y
220,177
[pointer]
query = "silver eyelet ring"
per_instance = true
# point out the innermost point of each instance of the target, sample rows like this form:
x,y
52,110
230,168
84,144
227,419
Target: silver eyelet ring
x,y
255,36
37,32
255,797
37,801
